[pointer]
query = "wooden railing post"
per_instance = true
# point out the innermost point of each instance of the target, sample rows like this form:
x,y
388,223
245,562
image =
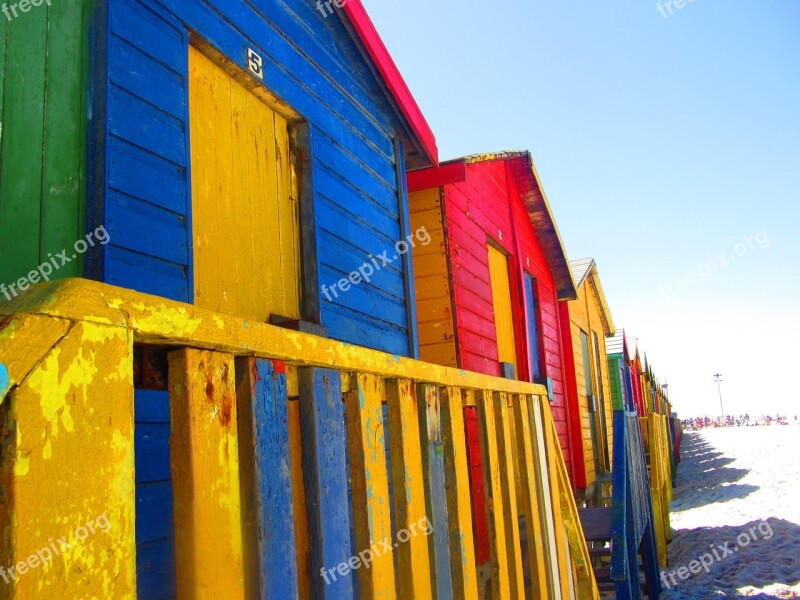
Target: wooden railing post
x,y
414,562
266,479
507,579
538,559
459,507
429,408
325,477
67,508
370,484
204,454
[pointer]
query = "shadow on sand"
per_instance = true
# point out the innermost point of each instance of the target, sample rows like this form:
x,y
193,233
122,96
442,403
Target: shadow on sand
x,y
704,478
744,567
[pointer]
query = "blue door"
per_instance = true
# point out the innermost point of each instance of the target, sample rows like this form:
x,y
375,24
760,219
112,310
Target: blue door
x,y
532,304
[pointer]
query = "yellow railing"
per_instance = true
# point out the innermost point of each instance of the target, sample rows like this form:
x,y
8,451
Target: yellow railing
x,y
263,419
655,428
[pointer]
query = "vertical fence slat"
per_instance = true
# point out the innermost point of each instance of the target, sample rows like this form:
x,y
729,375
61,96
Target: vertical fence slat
x,y
562,543
537,555
459,507
370,484
262,396
429,408
299,499
503,572
576,549
409,491
325,479
508,482
205,474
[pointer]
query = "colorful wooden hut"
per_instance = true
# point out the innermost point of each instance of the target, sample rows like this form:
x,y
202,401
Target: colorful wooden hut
x,y
220,152
619,371
488,286
585,324
219,171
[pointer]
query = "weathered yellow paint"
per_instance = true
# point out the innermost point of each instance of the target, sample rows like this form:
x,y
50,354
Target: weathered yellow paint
x,y
538,549
370,485
413,557
542,468
501,300
67,464
160,321
459,505
204,453
500,504
508,482
245,217
25,339
299,498
432,280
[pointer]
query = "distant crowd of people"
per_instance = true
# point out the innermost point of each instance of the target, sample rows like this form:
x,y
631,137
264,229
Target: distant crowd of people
x,y
734,421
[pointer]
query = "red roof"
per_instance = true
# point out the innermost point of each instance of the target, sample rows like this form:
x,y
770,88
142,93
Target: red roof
x,y
396,85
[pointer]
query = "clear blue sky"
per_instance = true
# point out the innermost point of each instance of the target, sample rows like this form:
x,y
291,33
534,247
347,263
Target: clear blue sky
x,y
661,143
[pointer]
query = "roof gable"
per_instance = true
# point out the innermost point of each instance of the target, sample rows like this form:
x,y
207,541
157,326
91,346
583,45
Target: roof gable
x,y
583,270
526,179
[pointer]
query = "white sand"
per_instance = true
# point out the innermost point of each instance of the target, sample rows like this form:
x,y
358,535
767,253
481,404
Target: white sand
x,y
729,483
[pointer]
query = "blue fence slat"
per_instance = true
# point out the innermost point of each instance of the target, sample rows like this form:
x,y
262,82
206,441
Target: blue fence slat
x,y
277,546
325,478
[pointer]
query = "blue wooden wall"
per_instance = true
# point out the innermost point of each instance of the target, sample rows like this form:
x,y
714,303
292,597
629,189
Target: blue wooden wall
x,y
311,62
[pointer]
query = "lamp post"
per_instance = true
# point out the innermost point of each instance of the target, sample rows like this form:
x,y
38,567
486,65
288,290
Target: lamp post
x,y
718,381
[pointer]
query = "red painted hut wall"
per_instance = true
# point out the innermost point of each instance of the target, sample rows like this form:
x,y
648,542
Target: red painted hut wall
x,y
573,409
533,261
636,384
480,206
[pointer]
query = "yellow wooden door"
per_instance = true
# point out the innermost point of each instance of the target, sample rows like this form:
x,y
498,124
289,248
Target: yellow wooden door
x,y
245,218
501,298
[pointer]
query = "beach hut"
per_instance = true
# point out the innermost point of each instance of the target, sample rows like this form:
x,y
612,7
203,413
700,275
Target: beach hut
x,y
489,283
585,324
248,159
619,371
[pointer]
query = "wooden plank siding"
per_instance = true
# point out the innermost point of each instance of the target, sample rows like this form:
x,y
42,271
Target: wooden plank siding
x,y
314,73
432,281
579,317
43,80
483,205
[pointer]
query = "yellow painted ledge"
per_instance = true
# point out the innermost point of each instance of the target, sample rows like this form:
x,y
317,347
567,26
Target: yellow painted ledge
x,y
157,320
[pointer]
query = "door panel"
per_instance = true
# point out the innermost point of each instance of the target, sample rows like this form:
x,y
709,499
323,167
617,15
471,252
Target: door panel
x,y
501,299
244,200
533,326
591,398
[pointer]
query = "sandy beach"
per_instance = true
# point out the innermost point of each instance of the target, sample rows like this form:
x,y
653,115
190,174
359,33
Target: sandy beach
x,y
736,515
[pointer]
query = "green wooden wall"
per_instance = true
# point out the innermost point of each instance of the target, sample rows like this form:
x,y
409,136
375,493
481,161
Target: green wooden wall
x,y
617,399
43,70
